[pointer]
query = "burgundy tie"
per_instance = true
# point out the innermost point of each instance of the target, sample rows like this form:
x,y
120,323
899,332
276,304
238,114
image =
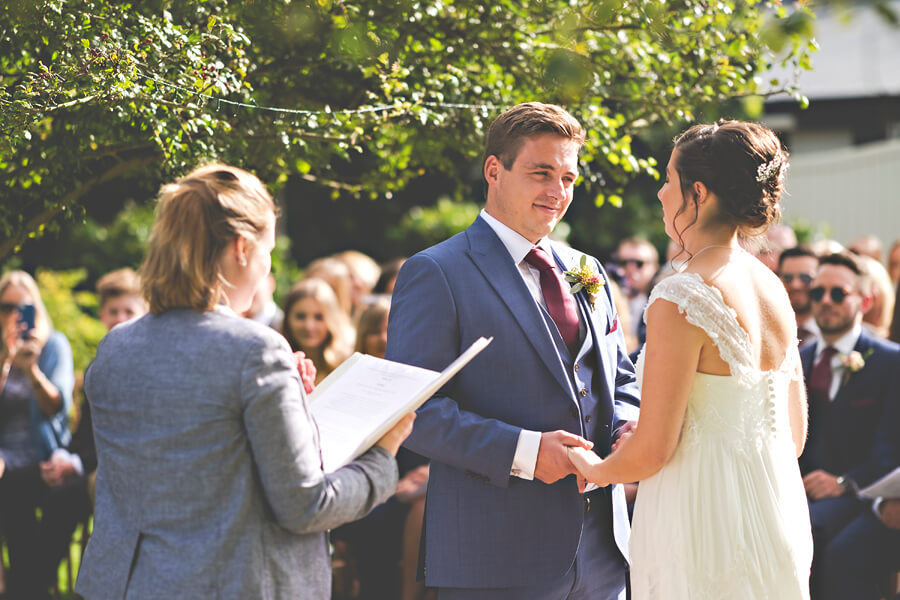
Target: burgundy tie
x,y
560,303
821,375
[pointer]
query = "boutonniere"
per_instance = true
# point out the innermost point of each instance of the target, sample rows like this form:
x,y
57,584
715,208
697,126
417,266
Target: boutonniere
x,y
586,278
853,362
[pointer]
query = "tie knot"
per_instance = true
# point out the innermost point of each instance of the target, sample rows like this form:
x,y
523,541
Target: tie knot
x,y
538,259
829,352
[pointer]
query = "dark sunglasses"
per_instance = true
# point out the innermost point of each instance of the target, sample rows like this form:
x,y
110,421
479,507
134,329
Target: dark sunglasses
x,y
803,277
837,294
7,307
627,261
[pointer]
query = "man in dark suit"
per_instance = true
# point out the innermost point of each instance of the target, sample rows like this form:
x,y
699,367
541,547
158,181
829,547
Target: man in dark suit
x,y
797,268
505,517
852,379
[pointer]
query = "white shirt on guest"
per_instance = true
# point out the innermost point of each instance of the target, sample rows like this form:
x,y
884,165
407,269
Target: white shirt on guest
x,y
844,345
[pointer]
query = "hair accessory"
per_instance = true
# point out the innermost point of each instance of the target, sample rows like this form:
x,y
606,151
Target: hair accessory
x,y
766,171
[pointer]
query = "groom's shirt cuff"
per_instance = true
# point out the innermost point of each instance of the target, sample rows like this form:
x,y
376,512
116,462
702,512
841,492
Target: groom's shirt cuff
x,y
525,459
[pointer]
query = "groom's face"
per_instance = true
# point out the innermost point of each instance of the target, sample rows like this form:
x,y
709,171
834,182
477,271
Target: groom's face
x,y
534,193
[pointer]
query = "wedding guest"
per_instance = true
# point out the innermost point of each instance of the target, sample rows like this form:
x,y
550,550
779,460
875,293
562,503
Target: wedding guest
x,y
337,274
852,378
878,317
639,261
867,245
389,272
379,542
866,551
894,334
69,473
364,274
36,381
893,265
263,308
797,268
209,479
315,324
371,330
826,247
778,238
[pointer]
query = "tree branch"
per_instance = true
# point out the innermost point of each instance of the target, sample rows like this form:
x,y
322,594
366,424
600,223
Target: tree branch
x,y
122,168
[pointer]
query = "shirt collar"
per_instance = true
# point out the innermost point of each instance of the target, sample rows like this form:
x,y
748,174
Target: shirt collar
x,y
845,344
517,246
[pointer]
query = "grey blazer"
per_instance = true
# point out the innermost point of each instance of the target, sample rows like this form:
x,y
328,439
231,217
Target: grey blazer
x,y
209,479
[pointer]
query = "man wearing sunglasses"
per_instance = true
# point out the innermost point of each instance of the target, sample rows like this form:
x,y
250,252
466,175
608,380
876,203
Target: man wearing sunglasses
x,y
853,380
797,268
639,261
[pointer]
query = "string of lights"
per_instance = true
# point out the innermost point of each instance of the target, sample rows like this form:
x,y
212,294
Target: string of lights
x,y
377,108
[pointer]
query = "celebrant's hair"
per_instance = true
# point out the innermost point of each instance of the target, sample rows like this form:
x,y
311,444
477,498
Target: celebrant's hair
x,y
196,219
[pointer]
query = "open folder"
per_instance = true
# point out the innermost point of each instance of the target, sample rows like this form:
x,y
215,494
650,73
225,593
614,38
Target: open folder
x,y
365,396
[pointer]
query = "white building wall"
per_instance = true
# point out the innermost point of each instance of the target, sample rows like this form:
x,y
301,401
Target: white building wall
x,y
850,191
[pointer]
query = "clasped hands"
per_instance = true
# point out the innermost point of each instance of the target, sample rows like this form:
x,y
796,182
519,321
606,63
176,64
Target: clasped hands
x,y
562,453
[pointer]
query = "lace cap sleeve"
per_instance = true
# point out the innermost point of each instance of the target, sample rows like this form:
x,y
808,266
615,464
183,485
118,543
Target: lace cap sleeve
x,y
703,306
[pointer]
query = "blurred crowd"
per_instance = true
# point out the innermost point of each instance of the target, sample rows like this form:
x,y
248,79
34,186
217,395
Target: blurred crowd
x,y
340,306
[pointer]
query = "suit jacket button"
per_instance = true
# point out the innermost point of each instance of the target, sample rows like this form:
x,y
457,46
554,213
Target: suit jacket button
x,y
584,392
587,418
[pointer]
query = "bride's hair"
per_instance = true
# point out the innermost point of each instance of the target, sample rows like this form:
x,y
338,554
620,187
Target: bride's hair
x,y
742,163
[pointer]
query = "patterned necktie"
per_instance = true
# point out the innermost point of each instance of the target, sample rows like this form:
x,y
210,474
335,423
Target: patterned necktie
x,y
821,375
560,303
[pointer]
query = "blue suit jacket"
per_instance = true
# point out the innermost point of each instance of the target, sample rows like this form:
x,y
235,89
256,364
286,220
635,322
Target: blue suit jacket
x,y
485,528
859,437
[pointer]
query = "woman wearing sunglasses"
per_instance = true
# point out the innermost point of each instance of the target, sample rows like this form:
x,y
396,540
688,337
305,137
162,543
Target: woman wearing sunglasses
x,y
36,380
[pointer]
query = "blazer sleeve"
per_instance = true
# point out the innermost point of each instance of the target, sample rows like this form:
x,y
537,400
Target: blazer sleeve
x,y
285,449
423,331
885,456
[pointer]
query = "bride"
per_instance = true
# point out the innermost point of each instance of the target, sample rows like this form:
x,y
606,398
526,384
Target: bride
x,y
720,511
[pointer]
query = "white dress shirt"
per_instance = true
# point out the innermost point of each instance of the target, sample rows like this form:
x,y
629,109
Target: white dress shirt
x,y
844,345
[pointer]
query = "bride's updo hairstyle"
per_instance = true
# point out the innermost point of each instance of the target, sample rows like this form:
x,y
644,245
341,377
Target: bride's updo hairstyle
x,y
743,164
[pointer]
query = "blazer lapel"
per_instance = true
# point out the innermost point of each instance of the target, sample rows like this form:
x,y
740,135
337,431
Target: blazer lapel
x,y
595,321
490,256
850,381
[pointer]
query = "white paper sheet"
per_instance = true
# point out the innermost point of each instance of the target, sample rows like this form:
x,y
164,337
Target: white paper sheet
x,y
886,487
364,397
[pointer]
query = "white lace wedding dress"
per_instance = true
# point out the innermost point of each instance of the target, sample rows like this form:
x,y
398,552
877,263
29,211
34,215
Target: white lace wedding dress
x,y
726,518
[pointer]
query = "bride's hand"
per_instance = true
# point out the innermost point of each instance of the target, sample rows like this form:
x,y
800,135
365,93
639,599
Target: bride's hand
x,y
584,461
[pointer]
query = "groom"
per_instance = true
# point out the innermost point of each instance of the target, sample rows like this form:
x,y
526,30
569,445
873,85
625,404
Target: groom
x,y
505,517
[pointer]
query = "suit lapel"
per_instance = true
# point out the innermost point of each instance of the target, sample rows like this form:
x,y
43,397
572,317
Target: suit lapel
x,y
596,321
849,384
490,256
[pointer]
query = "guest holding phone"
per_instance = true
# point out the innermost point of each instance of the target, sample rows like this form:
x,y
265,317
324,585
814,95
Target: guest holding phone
x,y
36,380
209,476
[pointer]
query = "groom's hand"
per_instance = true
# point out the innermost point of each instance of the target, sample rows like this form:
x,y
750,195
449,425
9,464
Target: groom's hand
x,y
553,459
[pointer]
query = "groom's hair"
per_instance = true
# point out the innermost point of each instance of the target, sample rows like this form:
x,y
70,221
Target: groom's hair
x,y
508,131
